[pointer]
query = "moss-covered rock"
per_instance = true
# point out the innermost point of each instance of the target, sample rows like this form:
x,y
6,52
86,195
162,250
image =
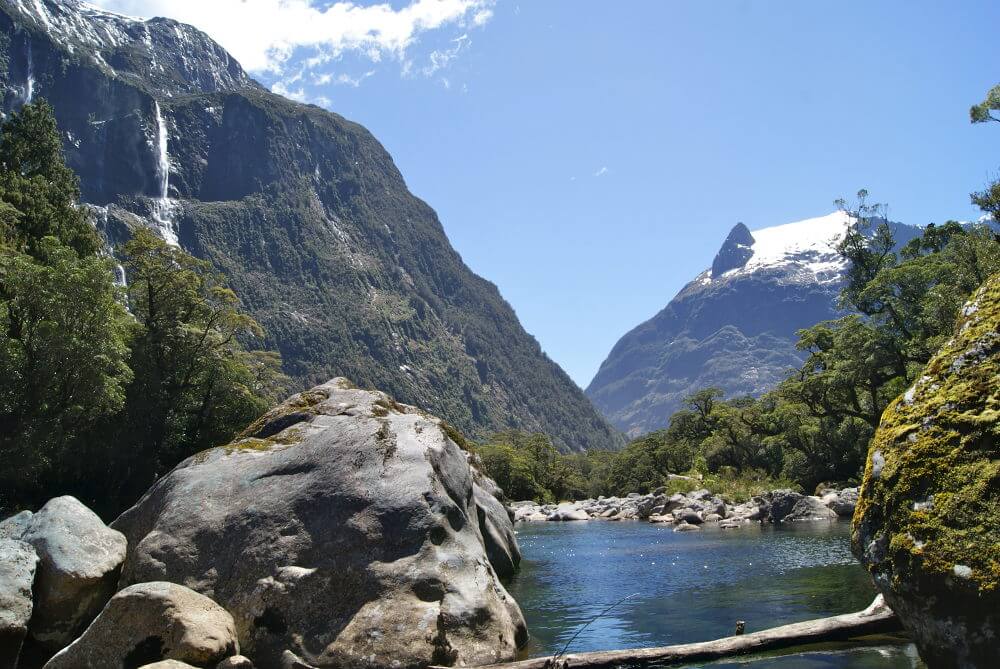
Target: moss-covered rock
x,y
927,524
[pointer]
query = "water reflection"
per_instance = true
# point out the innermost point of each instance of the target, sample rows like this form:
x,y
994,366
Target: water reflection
x,y
689,586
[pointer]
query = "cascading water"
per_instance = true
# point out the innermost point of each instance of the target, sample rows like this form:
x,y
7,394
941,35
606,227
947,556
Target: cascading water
x,y
29,85
163,206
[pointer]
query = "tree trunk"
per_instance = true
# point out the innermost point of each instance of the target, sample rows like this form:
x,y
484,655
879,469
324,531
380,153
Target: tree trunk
x,y
876,619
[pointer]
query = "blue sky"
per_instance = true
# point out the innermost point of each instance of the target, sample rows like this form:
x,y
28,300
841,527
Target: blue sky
x,y
590,157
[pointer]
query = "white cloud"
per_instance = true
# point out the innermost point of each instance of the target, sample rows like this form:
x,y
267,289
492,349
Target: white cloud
x,y
440,58
601,172
264,34
298,94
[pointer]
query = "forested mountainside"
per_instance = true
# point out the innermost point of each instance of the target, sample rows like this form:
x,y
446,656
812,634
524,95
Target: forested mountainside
x,y
733,327
304,211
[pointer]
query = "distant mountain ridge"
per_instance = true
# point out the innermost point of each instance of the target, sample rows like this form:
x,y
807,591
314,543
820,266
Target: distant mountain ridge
x,y
303,210
733,326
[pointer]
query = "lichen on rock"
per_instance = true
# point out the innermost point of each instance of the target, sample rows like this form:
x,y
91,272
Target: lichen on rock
x,y
926,521
343,529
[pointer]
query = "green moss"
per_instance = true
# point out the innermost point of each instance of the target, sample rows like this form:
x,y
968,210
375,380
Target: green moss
x,y
937,498
306,401
457,437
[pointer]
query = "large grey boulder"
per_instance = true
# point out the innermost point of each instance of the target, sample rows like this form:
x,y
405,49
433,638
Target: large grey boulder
x,y
809,508
341,529
775,505
149,622
17,573
80,559
842,502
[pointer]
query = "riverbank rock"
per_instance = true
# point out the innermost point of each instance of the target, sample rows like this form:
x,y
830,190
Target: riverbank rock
x,y
340,530
842,502
809,508
695,508
149,622
926,521
80,559
568,512
17,573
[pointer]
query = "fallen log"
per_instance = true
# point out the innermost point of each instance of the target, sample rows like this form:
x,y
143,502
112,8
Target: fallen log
x,y
876,619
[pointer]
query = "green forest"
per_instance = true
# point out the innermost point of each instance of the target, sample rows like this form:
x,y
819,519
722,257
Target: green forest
x,y
106,386
112,385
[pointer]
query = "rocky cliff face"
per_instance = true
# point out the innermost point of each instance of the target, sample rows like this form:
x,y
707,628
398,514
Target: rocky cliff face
x,y
349,273
925,524
733,327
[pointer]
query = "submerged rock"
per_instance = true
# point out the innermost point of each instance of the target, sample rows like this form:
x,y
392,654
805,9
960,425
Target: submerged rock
x,y
17,573
341,530
926,521
151,622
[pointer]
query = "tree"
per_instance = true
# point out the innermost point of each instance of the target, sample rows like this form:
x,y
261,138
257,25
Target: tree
x,y
63,334
38,192
983,112
195,385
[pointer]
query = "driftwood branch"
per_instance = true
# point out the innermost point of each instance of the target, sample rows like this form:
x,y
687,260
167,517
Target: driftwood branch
x,y
876,619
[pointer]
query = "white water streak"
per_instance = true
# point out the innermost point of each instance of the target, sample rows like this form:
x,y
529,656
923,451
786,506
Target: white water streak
x,y
29,86
163,206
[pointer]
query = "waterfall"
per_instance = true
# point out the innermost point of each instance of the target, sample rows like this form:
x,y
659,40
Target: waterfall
x,y
163,206
120,277
29,86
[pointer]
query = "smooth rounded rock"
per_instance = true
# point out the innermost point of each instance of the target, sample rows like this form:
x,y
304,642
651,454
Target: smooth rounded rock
x,y
341,528
686,527
17,574
150,622
809,508
565,513
80,559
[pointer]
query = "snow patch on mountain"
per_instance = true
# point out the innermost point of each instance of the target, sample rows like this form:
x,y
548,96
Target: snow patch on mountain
x,y
806,249
171,57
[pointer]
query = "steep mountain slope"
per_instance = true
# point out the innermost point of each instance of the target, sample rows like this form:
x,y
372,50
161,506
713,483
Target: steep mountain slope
x,y
349,273
732,327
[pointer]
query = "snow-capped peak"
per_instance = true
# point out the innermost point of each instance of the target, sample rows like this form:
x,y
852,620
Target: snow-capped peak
x,y
171,58
805,248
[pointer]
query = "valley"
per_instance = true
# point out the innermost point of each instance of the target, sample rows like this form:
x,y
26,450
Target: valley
x,y
257,412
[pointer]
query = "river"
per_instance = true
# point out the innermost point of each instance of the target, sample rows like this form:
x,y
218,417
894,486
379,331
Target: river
x,y
692,586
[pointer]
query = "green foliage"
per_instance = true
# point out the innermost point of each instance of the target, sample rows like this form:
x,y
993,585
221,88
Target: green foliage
x,y
97,400
527,466
195,386
983,112
38,193
63,334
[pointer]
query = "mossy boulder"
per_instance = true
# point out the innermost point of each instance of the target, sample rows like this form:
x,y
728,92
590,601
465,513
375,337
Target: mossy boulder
x,y
927,524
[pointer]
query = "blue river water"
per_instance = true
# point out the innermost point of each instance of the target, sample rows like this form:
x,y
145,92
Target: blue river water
x,y
681,587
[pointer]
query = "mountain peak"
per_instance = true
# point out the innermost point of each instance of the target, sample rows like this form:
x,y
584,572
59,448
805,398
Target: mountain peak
x,y
164,56
735,251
